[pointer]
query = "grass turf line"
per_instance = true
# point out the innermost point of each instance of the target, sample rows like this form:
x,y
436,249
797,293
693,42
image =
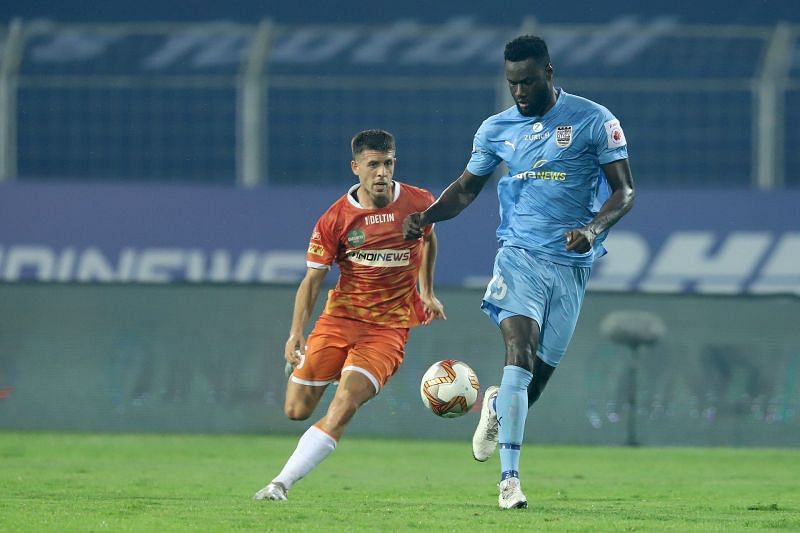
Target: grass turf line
x,y
89,482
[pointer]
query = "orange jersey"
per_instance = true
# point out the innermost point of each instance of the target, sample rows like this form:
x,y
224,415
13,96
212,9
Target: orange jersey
x,y
378,267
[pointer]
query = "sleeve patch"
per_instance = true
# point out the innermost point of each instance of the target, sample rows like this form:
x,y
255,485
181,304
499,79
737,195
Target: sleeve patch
x,y
614,133
316,249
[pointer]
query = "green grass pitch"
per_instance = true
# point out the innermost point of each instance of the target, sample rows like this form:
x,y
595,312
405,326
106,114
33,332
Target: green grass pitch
x,y
77,482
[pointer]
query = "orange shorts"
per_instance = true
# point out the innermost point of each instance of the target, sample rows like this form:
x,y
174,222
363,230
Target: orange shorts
x,y
339,345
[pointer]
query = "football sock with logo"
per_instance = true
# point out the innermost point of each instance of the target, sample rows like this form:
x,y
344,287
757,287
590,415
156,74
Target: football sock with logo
x,y
314,446
512,410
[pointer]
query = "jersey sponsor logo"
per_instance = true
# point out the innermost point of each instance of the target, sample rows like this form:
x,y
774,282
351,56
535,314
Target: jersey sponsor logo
x,y
316,249
544,175
356,237
378,219
616,137
537,127
540,163
564,136
537,136
380,258
315,235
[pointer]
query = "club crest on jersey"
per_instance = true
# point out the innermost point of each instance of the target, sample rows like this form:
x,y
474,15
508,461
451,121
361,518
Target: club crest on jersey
x,y
563,136
356,237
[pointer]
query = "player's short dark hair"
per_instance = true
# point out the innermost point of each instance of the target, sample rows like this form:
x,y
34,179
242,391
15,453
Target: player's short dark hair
x,y
527,47
378,140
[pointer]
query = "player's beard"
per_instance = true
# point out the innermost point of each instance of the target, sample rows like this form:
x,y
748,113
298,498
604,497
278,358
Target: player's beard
x,y
383,198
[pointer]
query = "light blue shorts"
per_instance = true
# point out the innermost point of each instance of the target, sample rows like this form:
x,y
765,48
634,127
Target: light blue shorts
x,y
549,293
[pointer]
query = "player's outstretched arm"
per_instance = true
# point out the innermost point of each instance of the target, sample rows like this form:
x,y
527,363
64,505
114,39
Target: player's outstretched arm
x,y
304,302
433,307
450,203
620,179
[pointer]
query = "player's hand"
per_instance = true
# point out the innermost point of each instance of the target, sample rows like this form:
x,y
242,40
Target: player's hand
x,y
295,349
434,310
412,226
580,240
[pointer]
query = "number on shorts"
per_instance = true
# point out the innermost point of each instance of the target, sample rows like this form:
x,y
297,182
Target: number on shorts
x,y
498,288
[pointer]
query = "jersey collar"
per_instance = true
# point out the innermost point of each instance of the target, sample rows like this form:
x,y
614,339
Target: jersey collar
x,y
355,202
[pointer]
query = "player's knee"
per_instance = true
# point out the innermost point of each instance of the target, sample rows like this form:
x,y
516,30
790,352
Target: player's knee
x,y
296,412
520,353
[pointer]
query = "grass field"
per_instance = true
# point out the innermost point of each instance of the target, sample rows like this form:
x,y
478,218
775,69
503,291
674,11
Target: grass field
x,y
69,482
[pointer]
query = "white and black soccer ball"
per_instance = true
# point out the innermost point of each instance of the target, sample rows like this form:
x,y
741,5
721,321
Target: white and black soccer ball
x,y
449,388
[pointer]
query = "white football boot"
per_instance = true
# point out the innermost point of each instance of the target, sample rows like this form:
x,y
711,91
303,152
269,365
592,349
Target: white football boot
x,y
274,491
511,496
484,440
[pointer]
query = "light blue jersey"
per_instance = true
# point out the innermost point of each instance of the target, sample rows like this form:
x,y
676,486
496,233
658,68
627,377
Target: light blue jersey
x,y
554,181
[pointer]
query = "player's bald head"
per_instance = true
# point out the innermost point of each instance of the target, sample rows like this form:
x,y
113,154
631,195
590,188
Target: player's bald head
x,y
527,47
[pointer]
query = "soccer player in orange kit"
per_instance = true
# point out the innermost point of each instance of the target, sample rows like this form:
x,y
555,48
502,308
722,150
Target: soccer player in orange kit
x,y
360,337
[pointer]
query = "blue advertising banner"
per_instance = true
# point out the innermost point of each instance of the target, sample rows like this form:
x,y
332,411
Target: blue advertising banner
x,y
723,242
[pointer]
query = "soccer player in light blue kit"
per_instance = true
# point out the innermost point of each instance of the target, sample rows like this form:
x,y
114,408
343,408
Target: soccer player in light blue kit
x,y
563,154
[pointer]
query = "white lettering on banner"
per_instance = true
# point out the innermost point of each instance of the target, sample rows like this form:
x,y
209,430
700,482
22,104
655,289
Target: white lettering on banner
x,y
687,258
153,265
693,261
72,45
159,265
622,266
66,264
612,34
281,266
311,46
781,272
457,41
639,40
38,260
209,49
377,46
93,266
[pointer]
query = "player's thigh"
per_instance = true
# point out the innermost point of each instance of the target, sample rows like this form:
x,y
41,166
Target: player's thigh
x,y
353,391
564,308
326,351
521,338
301,400
377,354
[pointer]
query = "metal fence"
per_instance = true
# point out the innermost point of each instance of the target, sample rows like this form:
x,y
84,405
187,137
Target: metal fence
x,y
703,106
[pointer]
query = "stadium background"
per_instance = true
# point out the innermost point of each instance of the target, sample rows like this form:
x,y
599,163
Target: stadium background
x,y
160,180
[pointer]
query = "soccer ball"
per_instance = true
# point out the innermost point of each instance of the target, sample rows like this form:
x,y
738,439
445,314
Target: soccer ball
x,y
449,388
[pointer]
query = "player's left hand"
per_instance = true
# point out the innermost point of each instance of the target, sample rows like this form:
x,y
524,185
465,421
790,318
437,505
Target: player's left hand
x,y
434,310
412,226
580,240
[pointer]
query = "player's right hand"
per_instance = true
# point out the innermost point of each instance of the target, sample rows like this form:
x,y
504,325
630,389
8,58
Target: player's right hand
x,y
412,226
295,348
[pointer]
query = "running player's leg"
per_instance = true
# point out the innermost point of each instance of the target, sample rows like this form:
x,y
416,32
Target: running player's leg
x,y
325,355
564,307
301,400
520,335
354,390
541,375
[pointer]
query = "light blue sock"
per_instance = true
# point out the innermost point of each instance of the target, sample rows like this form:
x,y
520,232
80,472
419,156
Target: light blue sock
x,y
512,410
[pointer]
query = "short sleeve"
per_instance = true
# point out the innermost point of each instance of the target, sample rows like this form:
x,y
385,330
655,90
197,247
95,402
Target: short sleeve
x,y
483,160
322,246
609,138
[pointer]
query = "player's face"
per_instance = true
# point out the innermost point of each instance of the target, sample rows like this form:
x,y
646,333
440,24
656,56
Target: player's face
x,y
375,170
531,86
